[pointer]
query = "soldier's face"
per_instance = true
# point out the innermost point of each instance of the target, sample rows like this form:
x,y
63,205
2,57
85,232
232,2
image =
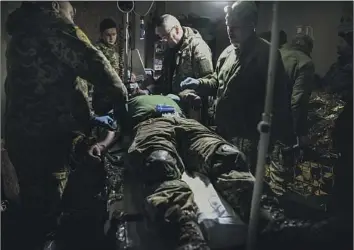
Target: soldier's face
x,y
171,36
65,9
238,31
109,36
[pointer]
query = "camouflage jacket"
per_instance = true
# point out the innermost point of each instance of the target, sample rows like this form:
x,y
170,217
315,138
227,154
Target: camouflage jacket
x,y
193,59
111,53
44,57
301,71
100,100
339,78
239,82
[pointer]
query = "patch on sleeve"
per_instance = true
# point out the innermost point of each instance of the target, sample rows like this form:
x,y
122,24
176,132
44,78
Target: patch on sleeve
x,y
82,36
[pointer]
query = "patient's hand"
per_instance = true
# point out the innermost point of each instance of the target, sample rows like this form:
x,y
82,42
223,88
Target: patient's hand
x,y
95,152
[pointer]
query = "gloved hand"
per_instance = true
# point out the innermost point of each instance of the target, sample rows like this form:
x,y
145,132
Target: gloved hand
x,y
189,83
176,98
105,122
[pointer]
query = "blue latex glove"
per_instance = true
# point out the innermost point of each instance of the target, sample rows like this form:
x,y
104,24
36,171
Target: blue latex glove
x,y
189,83
174,97
105,122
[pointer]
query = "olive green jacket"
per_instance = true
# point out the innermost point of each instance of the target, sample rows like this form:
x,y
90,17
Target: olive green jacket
x,y
301,71
193,59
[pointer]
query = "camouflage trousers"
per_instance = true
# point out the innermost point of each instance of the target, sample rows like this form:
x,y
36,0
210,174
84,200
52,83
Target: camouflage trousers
x,y
194,148
41,167
249,148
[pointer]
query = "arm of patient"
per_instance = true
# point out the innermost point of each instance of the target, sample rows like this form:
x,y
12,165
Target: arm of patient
x,y
108,141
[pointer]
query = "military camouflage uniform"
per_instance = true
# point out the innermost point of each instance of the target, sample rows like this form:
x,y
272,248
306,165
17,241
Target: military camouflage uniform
x,y
163,148
191,58
44,57
109,51
301,70
240,81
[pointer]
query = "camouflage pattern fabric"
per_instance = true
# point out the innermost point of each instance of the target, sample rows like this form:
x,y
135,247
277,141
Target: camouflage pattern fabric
x,y
239,82
301,70
195,148
44,57
110,51
40,104
193,59
100,101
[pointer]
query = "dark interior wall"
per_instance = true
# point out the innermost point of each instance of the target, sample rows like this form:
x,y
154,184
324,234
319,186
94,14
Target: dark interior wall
x,y
324,17
90,14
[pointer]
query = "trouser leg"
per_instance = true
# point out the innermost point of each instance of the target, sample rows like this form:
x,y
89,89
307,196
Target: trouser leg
x,y
222,162
42,175
169,201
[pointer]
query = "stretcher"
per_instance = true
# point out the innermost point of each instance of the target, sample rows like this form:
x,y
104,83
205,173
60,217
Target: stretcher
x,y
221,226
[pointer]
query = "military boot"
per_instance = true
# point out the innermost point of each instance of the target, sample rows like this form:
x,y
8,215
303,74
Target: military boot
x,y
190,236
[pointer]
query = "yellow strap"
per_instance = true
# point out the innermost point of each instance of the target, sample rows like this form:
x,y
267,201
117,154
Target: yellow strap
x,y
82,36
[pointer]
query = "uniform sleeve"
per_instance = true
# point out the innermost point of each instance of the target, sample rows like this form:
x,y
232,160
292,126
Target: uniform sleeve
x,y
203,62
300,97
283,120
209,84
76,51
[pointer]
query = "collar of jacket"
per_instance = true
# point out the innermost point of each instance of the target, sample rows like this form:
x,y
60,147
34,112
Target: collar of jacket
x,y
188,34
288,46
101,42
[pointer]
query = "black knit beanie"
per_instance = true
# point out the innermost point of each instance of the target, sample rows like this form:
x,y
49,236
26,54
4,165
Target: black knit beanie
x,y
107,24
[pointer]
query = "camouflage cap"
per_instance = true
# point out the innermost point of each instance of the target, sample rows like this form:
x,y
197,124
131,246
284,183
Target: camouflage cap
x,y
242,10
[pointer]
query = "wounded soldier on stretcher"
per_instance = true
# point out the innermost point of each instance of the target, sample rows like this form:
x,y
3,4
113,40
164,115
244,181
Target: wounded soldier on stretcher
x,y
164,145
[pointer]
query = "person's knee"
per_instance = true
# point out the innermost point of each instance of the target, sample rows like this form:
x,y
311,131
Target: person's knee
x,y
160,166
227,158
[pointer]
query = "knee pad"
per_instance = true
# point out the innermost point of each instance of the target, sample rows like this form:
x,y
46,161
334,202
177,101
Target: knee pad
x,y
160,166
227,158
